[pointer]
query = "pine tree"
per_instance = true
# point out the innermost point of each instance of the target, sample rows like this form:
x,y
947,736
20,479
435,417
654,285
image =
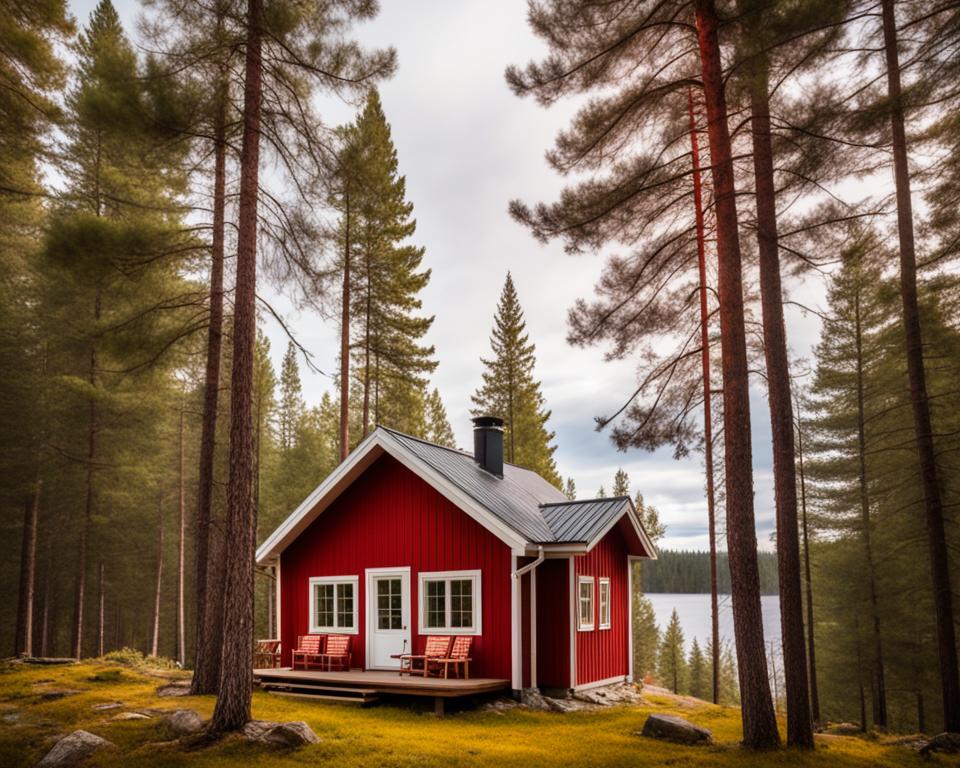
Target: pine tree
x,y
601,493
510,392
291,407
650,519
698,678
646,637
672,667
621,483
439,430
570,489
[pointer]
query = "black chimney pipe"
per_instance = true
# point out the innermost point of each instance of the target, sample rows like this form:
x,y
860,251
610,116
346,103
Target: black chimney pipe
x,y
488,444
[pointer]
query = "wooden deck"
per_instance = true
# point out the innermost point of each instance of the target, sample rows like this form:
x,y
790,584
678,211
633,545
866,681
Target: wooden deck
x,y
363,686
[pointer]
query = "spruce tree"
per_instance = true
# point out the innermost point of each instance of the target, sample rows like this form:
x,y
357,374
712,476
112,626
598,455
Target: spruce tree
x,y
290,409
510,391
698,683
621,483
570,489
646,637
672,661
438,430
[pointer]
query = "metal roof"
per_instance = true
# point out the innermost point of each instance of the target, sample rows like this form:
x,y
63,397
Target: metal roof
x,y
514,499
582,521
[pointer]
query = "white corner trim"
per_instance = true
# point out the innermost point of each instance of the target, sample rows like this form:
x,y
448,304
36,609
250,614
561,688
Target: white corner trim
x,y
279,613
476,576
337,630
573,623
630,670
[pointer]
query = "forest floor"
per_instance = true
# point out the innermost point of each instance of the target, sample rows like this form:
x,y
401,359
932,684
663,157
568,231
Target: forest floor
x,y
34,714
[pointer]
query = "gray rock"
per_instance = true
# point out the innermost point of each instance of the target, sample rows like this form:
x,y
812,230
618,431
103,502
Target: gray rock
x,y
130,716
673,728
58,694
48,661
843,729
184,722
107,706
176,688
946,742
295,734
71,749
255,729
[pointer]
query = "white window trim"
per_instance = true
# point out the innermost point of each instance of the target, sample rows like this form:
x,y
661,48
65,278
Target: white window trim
x,y
604,582
581,627
424,576
355,629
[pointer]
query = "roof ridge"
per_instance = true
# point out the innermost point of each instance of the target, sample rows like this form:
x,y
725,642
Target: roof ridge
x,y
583,501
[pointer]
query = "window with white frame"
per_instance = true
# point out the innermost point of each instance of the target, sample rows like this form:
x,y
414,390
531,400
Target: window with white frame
x,y
604,603
450,602
333,604
585,603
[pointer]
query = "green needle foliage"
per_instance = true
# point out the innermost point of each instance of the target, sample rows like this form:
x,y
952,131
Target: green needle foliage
x,y
510,391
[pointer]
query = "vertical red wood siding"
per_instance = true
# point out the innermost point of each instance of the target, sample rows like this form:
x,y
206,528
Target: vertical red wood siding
x,y
603,653
525,625
392,518
553,624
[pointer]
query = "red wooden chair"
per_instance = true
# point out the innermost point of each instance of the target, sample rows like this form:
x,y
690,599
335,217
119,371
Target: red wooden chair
x,y
309,651
266,654
436,647
458,658
337,653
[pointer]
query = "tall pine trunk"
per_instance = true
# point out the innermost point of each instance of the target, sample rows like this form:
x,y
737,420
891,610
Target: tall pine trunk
x,y
232,710
209,564
155,643
345,336
933,504
759,721
811,644
28,568
100,609
799,725
879,687
181,548
707,403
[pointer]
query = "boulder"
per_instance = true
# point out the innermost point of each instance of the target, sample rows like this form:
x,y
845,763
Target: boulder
x,y
942,742
71,749
176,688
130,716
184,722
843,729
255,729
295,734
673,728
107,706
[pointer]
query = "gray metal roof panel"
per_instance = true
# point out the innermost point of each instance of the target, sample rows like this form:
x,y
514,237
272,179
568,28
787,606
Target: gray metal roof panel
x,y
582,521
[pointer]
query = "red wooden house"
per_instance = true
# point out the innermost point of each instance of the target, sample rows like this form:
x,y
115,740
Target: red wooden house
x,y
406,539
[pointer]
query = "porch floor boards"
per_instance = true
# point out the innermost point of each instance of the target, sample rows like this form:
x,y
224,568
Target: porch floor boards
x,y
381,682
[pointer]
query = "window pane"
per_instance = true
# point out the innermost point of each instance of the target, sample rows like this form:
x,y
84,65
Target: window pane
x,y
586,603
436,604
461,603
345,606
605,603
323,605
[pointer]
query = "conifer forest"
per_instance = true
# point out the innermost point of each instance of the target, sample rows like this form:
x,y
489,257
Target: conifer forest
x,y
221,269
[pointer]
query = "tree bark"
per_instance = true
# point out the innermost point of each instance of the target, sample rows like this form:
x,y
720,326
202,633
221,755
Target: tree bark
x,y
811,645
799,725
879,687
232,709
28,568
366,347
181,549
759,721
345,337
155,643
707,409
209,560
100,614
933,504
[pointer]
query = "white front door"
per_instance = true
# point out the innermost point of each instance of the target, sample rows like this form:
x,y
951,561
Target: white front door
x,y
388,616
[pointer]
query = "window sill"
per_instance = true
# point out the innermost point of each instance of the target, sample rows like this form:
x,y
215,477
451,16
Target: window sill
x,y
333,631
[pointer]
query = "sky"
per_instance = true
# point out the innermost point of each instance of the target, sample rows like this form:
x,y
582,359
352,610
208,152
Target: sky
x,y
467,146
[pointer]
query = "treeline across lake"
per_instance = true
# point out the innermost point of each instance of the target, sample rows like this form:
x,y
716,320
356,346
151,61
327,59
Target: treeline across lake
x,y
689,572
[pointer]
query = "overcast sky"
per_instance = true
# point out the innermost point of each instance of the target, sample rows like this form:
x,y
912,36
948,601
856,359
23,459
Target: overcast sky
x,y
467,146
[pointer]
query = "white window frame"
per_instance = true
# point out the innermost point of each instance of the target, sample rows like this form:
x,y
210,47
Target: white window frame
x,y
477,599
581,625
604,586
335,629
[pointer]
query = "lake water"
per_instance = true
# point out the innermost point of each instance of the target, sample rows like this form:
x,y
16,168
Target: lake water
x,y
694,613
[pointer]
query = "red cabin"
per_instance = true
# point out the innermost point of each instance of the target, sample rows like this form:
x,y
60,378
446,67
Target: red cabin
x,y
407,539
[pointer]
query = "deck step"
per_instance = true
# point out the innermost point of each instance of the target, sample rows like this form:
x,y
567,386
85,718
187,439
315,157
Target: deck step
x,y
322,697
329,692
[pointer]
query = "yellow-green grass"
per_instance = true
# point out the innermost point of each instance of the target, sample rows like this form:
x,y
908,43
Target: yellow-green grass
x,y
385,735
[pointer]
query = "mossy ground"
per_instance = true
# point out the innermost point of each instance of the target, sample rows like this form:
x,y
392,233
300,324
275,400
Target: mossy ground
x,y
385,735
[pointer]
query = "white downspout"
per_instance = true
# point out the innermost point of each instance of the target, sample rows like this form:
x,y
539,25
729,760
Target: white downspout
x,y
517,575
